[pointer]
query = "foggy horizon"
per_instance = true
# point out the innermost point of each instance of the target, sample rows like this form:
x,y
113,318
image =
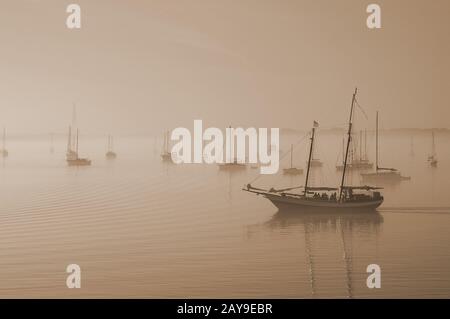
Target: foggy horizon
x,y
142,68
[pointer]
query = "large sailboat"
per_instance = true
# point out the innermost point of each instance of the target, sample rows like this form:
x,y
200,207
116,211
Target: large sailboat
x,y
110,154
292,170
4,151
72,157
326,199
433,158
382,174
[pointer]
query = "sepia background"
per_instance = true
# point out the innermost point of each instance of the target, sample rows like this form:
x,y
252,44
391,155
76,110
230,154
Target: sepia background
x,y
143,66
139,227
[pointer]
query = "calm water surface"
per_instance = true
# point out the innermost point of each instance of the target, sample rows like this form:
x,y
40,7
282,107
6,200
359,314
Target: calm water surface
x,y
142,228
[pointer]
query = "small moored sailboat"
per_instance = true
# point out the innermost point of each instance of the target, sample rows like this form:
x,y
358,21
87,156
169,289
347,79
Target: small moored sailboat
x,y
110,154
4,151
433,158
72,155
383,174
233,164
315,162
292,170
166,156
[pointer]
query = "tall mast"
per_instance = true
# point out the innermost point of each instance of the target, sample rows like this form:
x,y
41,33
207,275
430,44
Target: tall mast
x,y
164,144
348,144
365,144
352,150
77,143
309,159
312,153
74,123
74,114
292,150
69,141
376,142
167,142
433,146
360,145
165,139
4,138
229,147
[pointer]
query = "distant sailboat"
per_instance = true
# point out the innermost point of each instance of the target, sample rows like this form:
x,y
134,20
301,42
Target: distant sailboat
x,y
361,162
166,156
72,155
110,154
345,197
382,174
315,162
232,163
292,170
4,151
433,158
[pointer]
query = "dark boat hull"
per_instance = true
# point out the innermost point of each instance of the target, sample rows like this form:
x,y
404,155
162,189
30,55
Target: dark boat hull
x,y
354,167
111,155
288,202
232,166
384,177
79,162
166,157
292,171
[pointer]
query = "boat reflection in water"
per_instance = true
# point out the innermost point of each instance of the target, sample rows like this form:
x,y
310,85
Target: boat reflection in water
x,y
343,225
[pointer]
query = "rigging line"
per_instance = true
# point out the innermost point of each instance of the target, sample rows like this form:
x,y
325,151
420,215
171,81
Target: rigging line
x,y
282,156
361,108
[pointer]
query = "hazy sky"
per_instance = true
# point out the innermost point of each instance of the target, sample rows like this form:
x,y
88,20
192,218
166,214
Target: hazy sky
x,y
144,66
